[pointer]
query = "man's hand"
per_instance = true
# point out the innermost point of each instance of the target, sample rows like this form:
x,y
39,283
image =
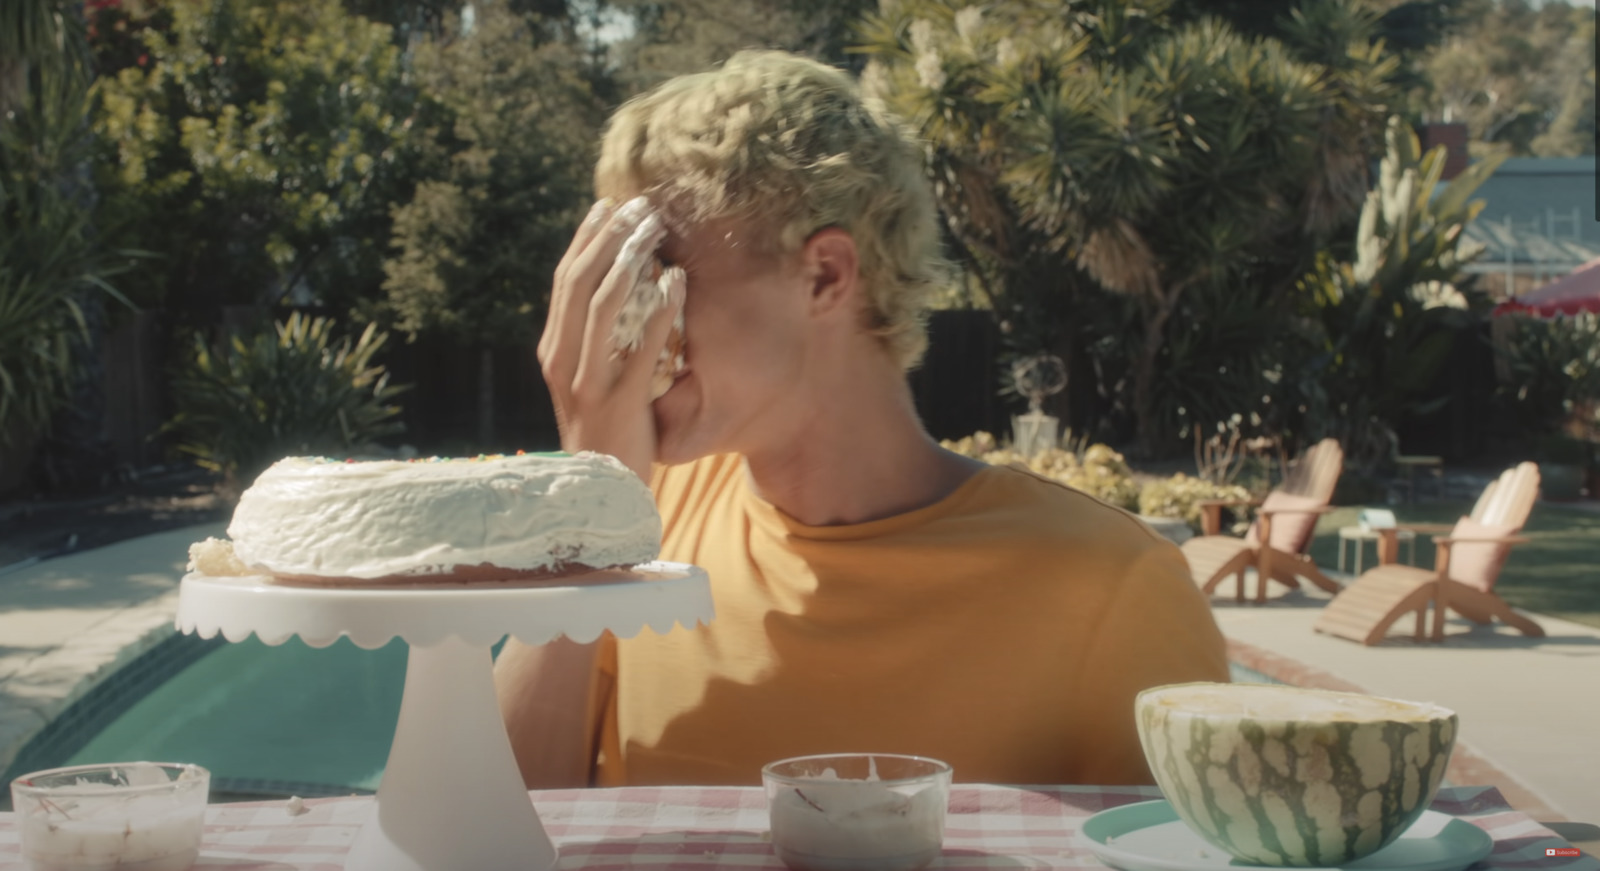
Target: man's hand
x,y
601,396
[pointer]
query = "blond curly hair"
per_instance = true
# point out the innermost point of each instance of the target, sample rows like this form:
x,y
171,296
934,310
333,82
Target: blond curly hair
x,y
792,146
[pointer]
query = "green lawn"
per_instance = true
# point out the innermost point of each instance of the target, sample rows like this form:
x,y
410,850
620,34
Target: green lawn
x,y
1556,573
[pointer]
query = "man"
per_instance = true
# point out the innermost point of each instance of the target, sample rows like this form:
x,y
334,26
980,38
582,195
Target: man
x,y
873,591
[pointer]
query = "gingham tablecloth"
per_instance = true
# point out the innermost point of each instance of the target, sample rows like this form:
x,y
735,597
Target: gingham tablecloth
x,y
695,828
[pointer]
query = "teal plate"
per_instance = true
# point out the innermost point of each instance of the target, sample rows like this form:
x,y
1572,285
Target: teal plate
x,y
1148,836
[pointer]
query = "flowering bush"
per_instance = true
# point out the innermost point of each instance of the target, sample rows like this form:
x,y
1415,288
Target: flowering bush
x,y
1181,495
1099,471
1103,473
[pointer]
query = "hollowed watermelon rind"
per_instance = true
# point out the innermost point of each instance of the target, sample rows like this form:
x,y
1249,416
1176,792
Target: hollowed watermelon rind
x,y
1279,791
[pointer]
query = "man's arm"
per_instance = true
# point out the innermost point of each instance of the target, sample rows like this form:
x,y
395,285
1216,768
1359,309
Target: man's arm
x,y
551,698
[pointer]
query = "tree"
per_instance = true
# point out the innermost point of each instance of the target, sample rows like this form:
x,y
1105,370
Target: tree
x,y
1408,28
1519,74
1098,143
672,37
507,140
257,145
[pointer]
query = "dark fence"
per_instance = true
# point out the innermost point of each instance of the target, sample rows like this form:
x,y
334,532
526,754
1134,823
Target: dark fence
x,y
955,390
1468,426
957,386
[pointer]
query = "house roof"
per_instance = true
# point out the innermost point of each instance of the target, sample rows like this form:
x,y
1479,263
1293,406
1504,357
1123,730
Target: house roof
x,y
1538,211
1505,245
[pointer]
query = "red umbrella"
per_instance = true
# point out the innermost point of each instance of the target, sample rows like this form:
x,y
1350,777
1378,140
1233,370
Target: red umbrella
x,y
1578,291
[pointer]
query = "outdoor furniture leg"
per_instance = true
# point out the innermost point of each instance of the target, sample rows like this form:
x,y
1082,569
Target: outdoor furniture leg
x,y
1264,559
1389,547
1441,595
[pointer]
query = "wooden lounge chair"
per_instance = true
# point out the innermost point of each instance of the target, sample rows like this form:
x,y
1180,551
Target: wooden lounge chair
x,y
1465,569
1276,543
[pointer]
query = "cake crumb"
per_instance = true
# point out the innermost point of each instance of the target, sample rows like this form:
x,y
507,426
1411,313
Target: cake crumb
x,y
215,557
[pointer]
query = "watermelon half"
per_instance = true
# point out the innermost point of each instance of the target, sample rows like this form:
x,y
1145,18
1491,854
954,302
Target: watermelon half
x,y
1279,775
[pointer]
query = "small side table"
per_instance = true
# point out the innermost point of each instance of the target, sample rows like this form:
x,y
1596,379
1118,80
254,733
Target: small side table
x,y
1359,537
1409,465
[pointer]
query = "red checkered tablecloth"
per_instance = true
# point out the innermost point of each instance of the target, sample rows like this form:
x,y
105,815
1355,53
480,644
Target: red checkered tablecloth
x,y
694,828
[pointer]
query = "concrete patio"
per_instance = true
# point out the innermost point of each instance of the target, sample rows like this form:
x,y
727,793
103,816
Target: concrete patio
x,y
1528,706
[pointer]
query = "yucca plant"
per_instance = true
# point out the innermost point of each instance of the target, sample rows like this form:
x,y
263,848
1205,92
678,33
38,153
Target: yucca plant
x,y
50,261
1088,146
42,40
293,389
1387,320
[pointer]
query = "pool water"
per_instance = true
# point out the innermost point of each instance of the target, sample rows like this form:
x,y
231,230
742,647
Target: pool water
x,y
275,721
289,719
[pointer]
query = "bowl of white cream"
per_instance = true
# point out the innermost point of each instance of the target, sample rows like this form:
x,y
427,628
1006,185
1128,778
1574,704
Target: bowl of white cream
x,y
128,815
857,811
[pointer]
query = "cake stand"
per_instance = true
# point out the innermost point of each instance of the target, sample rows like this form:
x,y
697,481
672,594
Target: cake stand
x,y
451,798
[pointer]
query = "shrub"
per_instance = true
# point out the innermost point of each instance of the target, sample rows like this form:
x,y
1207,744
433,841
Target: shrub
x,y
290,390
1552,369
1099,471
50,262
1181,495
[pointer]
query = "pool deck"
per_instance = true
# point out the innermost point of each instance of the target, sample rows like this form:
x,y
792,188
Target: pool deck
x,y
67,623
1529,707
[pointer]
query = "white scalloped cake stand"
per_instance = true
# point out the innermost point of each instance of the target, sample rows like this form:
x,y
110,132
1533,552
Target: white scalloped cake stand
x,y
451,798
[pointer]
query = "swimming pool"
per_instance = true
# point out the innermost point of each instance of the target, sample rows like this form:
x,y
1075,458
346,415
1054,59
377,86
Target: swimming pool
x,y
267,721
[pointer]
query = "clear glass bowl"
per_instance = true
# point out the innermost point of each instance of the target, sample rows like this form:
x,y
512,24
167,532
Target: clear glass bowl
x,y
857,811
128,816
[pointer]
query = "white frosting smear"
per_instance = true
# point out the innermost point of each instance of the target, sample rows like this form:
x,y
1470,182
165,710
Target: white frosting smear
x,y
327,518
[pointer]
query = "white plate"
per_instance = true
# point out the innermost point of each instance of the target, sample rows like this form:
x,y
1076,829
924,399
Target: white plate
x,y
1148,836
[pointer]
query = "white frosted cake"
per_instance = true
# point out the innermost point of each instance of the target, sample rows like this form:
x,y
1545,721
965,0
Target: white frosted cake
x,y
318,520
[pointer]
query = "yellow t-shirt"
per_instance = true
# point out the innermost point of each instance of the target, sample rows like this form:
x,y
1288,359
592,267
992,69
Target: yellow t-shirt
x,y
1004,629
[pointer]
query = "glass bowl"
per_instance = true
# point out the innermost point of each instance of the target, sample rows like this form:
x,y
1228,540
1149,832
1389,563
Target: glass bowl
x,y
857,811
129,816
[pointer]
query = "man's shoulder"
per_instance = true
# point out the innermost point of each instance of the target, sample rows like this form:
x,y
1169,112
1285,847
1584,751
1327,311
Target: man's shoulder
x,y
1062,540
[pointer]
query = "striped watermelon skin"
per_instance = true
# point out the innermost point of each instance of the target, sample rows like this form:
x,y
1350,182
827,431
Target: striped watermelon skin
x,y
1297,791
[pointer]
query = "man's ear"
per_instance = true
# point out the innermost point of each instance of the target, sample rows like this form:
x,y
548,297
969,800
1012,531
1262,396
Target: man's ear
x,y
834,268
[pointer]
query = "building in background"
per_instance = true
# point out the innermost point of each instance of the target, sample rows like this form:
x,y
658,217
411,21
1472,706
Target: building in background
x,y
1537,224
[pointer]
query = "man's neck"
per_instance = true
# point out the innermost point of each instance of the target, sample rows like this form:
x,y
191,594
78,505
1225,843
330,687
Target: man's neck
x,y
865,459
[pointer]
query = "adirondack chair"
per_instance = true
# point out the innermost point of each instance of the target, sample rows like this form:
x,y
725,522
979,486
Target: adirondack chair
x,y
1465,569
1276,543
